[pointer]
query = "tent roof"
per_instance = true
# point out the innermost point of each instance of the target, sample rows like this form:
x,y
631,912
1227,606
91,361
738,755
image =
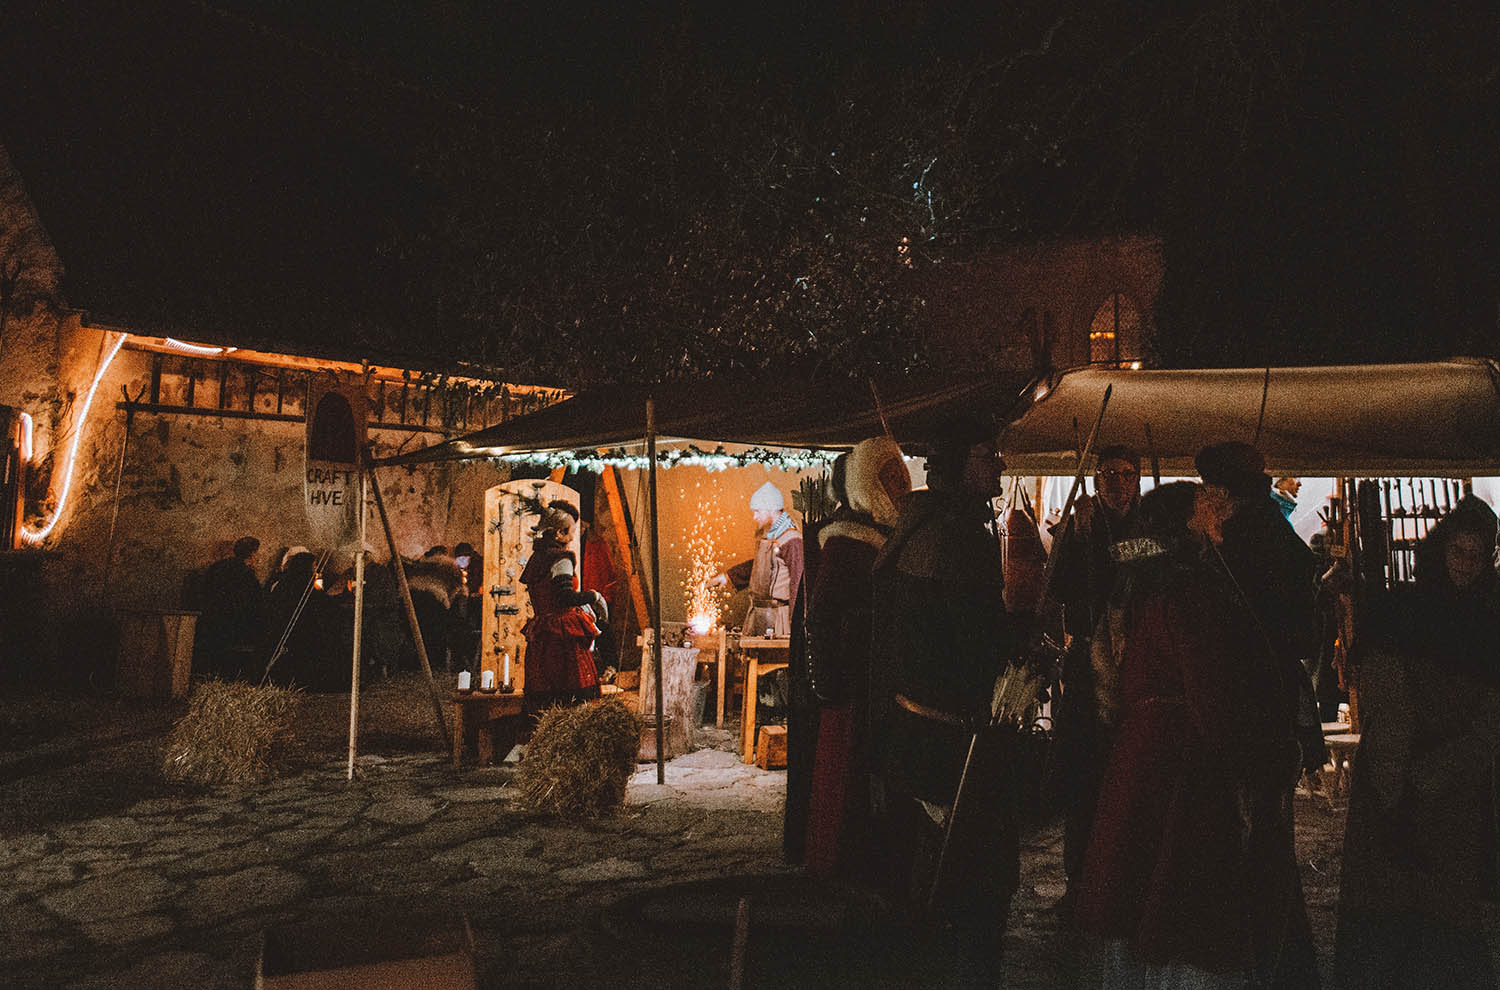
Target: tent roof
x,y
1433,419
781,413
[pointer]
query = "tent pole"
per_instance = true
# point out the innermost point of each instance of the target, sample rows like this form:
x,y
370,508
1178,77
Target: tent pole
x,y
359,619
411,612
661,741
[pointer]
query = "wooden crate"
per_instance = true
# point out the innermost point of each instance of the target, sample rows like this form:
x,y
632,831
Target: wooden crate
x,y
156,653
770,748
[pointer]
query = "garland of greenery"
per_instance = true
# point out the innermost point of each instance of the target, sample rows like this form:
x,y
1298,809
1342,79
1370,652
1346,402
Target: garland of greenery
x,y
692,455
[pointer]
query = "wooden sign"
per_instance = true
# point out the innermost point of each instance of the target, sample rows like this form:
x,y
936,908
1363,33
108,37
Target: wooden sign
x,y
337,422
507,548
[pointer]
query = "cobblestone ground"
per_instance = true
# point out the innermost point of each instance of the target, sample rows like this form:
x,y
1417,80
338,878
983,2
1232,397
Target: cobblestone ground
x,y
161,887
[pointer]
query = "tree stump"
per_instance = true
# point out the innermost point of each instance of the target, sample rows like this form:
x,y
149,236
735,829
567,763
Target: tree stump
x,y
679,667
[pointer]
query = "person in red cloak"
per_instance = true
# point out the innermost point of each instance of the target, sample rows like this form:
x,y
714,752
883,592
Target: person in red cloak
x,y
560,634
1190,880
840,831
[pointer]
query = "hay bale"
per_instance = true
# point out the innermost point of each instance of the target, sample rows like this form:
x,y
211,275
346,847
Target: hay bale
x,y
579,760
232,733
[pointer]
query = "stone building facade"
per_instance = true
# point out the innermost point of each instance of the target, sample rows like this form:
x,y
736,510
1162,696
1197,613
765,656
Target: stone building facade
x,y
151,456
1051,304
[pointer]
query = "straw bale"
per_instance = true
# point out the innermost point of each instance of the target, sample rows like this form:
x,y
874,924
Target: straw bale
x,y
579,760
232,733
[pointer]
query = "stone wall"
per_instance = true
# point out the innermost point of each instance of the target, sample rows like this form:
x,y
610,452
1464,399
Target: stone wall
x,y
144,512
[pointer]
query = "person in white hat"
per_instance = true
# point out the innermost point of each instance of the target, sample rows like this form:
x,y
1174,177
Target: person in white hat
x,y
775,573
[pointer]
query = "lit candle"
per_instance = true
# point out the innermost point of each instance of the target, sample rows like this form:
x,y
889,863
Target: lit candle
x,y
487,681
505,660
463,680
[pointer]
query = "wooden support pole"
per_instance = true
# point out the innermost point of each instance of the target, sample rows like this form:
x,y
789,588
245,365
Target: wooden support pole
x,y
411,612
661,741
359,619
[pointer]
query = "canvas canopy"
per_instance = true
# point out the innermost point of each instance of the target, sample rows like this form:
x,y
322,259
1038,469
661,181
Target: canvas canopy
x,y
1437,419
782,413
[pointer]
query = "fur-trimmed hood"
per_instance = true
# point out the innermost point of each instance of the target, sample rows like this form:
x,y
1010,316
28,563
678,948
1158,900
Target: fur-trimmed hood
x,y
440,577
875,478
853,529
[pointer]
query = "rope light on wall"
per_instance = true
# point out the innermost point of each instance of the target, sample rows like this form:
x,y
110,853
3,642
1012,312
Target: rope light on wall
x,y
32,536
202,350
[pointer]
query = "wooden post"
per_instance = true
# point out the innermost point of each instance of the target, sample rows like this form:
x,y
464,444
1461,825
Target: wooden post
x,y
411,613
661,741
626,543
359,618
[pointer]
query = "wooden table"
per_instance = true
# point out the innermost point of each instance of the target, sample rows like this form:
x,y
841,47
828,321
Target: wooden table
x,y
763,655
489,719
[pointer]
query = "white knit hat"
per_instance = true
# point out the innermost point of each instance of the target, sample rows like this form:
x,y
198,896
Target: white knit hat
x,y
767,498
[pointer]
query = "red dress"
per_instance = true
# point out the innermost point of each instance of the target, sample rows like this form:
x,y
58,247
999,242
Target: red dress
x,y
838,620
559,664
1190,859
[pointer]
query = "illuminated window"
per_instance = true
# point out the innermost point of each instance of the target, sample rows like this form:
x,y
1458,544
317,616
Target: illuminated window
x,y
1115,332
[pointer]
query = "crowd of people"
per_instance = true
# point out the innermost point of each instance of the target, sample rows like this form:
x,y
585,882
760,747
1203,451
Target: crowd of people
x,y
1188,698
1186,715
296,627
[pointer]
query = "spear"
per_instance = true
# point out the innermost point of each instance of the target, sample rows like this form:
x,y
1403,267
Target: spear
x,y
1083,460
1155,462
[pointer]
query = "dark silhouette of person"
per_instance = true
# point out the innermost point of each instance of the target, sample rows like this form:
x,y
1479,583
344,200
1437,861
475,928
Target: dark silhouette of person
x,y
229,630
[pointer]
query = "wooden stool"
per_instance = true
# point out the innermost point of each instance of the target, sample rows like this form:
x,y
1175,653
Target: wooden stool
x,y
1341,751
770,751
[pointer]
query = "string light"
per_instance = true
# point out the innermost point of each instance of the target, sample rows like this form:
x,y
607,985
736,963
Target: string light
x,y
692,455
36,536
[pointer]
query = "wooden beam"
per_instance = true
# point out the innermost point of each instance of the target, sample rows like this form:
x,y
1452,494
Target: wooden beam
x,y
294,362
625,540
411,611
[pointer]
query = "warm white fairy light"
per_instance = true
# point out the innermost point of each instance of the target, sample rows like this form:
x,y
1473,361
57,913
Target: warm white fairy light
x,y
36,536
718,459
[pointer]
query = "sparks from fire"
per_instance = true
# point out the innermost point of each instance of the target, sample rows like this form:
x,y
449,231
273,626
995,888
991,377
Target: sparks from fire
x,y
703,603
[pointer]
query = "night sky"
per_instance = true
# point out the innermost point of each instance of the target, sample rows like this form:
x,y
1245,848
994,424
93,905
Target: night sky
x,y
717,186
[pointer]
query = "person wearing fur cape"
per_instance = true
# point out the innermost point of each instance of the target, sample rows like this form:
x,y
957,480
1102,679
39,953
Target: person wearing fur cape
x,y
838,633
940,638
559,662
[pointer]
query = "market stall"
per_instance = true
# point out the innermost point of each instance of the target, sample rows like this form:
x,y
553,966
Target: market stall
x,y
1393,446
782,424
